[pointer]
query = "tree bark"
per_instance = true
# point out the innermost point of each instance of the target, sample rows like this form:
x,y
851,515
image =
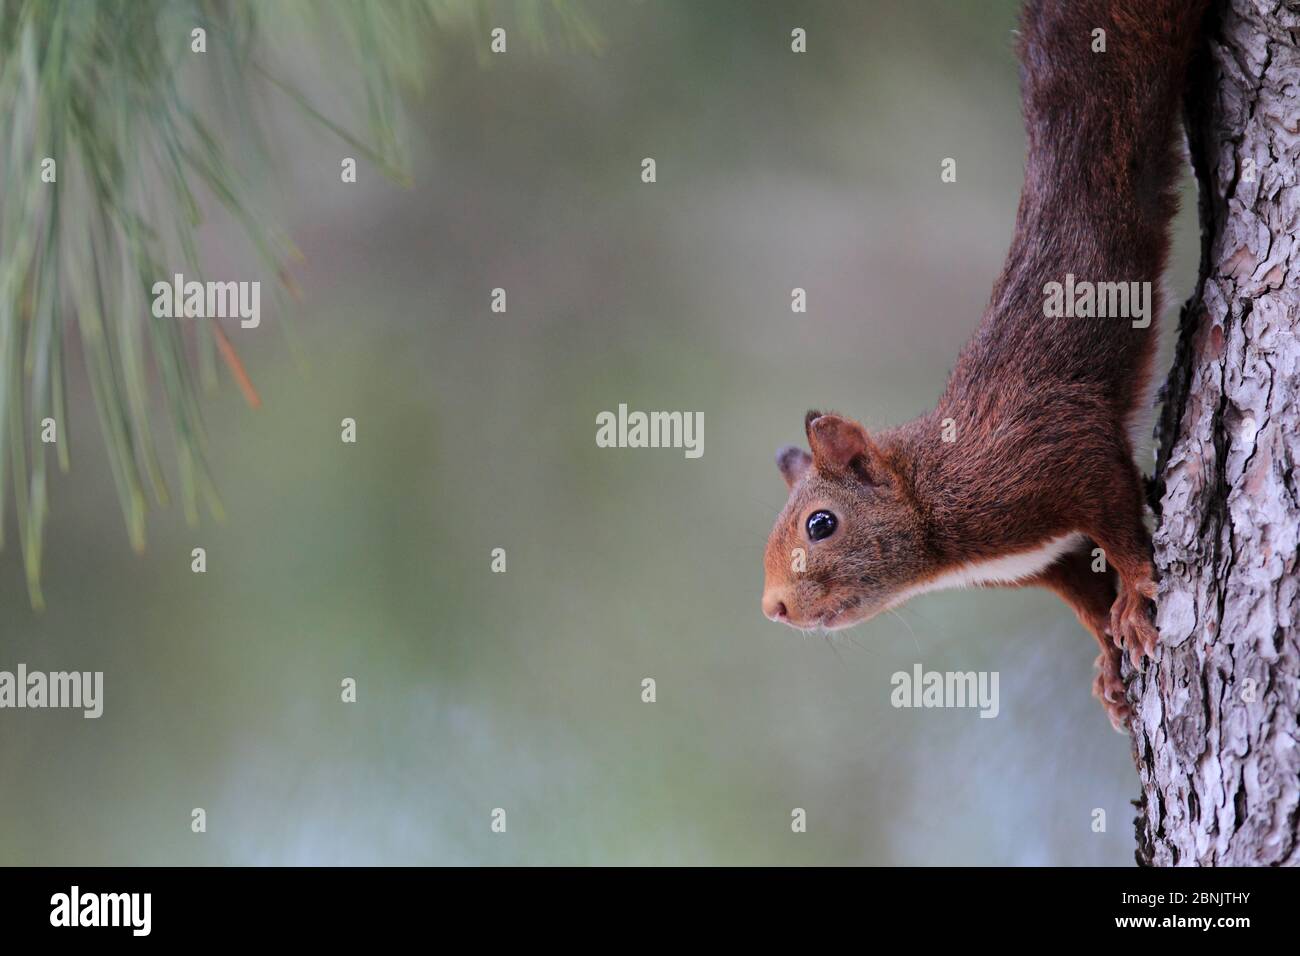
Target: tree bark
x,y
1216,728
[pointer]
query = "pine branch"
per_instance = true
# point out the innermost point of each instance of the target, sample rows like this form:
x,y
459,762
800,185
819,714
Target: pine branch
x,y
104,90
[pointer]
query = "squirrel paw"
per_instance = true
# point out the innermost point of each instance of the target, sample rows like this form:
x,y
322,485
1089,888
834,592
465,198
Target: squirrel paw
x,y
1109,688
1130,619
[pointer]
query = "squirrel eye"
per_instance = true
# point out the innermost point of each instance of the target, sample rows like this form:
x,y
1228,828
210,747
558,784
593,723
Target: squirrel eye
x,y
821,524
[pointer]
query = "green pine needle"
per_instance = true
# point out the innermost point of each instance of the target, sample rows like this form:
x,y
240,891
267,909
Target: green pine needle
x,y
111,90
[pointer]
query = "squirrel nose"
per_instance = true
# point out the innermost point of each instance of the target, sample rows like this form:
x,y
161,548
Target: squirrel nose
x,y
773,607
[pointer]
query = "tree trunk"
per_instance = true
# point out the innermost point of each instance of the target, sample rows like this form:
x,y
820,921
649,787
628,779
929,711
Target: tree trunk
x,y
1216,729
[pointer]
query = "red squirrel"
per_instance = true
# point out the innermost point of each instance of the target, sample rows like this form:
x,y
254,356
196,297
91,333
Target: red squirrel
x,y
1025,465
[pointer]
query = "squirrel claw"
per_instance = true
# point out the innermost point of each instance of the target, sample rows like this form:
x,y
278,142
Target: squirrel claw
x,y
1109,688
1130,621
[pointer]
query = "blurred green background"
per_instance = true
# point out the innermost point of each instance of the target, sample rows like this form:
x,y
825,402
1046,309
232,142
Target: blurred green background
x,y
476,431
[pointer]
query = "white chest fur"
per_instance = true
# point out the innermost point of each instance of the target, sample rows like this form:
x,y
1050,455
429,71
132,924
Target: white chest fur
x,y
1005,570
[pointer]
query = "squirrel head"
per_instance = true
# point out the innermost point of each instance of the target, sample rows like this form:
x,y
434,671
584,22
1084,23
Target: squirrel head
x,y
850,540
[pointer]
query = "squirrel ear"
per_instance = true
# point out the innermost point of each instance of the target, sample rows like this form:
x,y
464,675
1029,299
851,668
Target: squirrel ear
x,y
842,445
793,462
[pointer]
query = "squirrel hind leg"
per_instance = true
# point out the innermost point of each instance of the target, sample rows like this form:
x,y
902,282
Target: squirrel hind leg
x,y
1090,588
1121,533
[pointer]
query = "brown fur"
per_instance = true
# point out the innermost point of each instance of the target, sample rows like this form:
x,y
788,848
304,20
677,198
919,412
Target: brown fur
x,y
1041,406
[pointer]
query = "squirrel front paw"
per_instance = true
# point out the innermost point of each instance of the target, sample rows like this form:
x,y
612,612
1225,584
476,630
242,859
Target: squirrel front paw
x,y
1130,618
1108,687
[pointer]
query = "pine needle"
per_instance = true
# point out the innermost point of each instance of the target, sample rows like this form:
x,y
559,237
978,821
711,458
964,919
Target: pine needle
x,y
108,164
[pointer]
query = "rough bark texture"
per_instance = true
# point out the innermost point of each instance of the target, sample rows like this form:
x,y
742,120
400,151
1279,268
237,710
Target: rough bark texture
x,y
1217,721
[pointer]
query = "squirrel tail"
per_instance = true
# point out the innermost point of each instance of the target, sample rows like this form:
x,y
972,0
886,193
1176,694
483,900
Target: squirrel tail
x,y
1103,82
